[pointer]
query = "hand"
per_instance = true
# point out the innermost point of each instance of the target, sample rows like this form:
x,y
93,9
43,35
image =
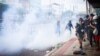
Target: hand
x,y
92,26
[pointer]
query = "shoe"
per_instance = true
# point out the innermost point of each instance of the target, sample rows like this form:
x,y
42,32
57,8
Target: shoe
x,y
76,52
83,53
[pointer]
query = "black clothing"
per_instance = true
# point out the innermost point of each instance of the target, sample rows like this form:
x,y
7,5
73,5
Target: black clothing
x,y
90,31
98,25
80,30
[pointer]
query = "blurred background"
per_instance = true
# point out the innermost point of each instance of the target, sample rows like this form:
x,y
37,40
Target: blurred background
x,y
31,25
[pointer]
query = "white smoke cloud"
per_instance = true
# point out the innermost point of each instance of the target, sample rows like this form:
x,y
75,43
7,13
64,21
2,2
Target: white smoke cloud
x,y
28,32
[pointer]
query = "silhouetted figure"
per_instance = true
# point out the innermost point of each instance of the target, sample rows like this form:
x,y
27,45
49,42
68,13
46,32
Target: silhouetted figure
x,y
90,29
86,23
80,32
69,26
58,27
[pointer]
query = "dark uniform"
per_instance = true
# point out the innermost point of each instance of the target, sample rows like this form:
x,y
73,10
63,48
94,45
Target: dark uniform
x,y
69,26
80,30
90,32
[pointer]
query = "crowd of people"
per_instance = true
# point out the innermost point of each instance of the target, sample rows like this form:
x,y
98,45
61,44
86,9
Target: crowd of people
x,y
89,29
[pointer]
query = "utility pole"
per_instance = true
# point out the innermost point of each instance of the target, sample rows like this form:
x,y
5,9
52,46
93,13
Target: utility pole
x,y
87,7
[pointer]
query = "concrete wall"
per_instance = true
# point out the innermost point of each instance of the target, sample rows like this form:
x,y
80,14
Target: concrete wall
x,y
97,11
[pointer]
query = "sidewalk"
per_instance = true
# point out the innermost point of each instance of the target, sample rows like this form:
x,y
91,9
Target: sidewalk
x,y
72,45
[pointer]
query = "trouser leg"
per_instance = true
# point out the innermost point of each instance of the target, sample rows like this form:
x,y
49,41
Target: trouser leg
x,y
90,36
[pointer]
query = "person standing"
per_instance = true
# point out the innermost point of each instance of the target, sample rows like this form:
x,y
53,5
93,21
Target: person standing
x,y
90,29
86,23
80,32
